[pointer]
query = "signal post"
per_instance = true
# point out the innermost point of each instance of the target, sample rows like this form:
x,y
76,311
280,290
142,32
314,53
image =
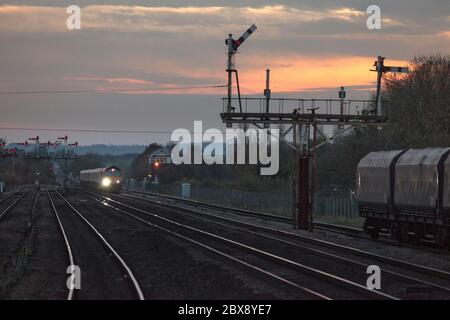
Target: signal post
x,y
301,115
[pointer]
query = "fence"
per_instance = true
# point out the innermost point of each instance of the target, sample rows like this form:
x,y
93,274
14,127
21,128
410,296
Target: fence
x,y
265,201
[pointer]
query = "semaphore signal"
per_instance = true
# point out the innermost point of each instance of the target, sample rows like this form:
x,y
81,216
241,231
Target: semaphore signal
x,y
236,43
232,46
301,115
380,68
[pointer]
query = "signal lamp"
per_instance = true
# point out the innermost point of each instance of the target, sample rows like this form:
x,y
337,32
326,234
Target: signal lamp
x,y
106,182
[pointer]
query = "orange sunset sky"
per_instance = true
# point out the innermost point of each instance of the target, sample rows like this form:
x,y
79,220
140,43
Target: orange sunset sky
x,y
311,47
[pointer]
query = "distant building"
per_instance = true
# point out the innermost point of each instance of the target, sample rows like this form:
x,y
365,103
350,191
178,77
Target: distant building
x,y
161,156
156,159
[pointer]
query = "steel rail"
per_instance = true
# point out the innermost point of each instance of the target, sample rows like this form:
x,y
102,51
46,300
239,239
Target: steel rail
x,y
351,231
339,227
267,216
262,215
12,205
66,241
240,261
6,196
399,263
312,271
321,253
122,263
320,225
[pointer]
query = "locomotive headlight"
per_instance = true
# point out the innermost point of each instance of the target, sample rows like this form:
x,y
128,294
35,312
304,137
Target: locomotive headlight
x,y
106,182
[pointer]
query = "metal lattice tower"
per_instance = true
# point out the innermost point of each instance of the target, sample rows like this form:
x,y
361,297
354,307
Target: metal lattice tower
x,y
301,115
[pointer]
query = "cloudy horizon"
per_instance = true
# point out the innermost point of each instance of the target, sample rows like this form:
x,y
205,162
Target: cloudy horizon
x,y
312,49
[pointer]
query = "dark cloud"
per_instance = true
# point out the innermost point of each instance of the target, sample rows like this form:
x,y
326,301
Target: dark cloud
x,y
191,52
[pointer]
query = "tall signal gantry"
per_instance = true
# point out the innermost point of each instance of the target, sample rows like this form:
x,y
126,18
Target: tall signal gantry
x,y
44,151
8,153
301,115
49,150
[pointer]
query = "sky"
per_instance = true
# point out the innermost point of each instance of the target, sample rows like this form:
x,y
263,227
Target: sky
x,y
311,47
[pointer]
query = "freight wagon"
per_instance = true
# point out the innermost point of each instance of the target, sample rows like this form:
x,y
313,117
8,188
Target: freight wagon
x,y
406,194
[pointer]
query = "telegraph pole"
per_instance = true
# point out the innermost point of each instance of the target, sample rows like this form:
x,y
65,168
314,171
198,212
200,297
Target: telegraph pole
x,y
379,64
230,54
25,144
267,95
36,140
295,175
342,97
313,169
65,158
13,166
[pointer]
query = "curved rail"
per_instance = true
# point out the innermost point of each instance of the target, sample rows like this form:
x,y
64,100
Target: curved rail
x,y
66,241
325,254
262,215
351,231
6,196
319,225
240,261
12,204
255,251
122,263
400,263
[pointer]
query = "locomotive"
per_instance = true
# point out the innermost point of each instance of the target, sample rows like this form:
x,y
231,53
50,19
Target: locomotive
x,y
406,194
107,179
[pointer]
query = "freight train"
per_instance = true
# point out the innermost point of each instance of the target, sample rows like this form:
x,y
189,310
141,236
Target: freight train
x,y
107,179
406,194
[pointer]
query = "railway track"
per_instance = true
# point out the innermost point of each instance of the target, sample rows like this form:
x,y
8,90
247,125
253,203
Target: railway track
x,y
351,231
319,284
71,259
261,215
105,273
318,225
5,196
409,274
244,212
10,202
